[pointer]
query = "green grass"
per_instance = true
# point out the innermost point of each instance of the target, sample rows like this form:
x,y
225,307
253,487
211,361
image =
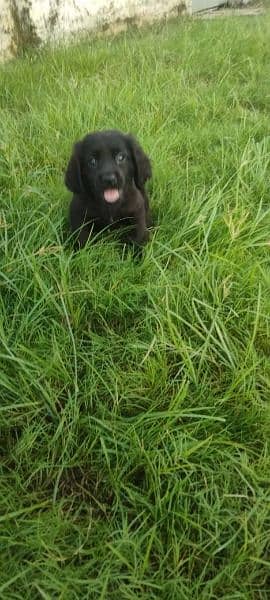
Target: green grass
x,y
135,414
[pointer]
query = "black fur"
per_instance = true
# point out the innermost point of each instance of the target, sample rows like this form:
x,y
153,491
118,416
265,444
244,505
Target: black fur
x,y
107,173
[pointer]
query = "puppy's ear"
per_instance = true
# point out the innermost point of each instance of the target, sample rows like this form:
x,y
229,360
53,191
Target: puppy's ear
x,y
73,177
142,165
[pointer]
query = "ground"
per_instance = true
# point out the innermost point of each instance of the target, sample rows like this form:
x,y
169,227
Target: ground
x,y
135,394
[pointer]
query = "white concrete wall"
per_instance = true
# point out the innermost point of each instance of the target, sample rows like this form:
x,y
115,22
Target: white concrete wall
x,y
6,26
26,22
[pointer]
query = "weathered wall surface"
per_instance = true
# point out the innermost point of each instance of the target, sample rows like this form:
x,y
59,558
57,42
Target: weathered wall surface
x,y
25,23
6,26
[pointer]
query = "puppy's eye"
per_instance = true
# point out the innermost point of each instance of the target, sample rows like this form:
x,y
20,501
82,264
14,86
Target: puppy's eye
x,y
92,161
120,157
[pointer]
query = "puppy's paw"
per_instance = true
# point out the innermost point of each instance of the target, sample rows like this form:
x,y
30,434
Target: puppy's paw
x,y
145,237
149,220
140,238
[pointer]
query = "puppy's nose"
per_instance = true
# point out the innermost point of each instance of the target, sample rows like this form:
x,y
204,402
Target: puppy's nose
x,y
109,180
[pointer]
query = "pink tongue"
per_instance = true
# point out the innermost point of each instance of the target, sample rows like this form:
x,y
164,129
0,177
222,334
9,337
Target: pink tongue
x,y
111,195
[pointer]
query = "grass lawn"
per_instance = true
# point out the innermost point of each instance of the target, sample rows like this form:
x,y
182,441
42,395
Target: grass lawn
x,y
135,413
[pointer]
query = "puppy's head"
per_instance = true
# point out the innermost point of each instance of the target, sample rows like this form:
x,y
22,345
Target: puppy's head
x,y
103,164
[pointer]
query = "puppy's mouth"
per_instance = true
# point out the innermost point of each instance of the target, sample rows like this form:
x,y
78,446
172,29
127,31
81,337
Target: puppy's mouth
x,y
111,195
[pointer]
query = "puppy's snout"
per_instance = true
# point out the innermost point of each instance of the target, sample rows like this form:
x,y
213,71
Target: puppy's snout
x,y
109,180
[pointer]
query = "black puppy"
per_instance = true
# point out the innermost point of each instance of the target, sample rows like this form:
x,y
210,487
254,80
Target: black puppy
x,y
107,173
